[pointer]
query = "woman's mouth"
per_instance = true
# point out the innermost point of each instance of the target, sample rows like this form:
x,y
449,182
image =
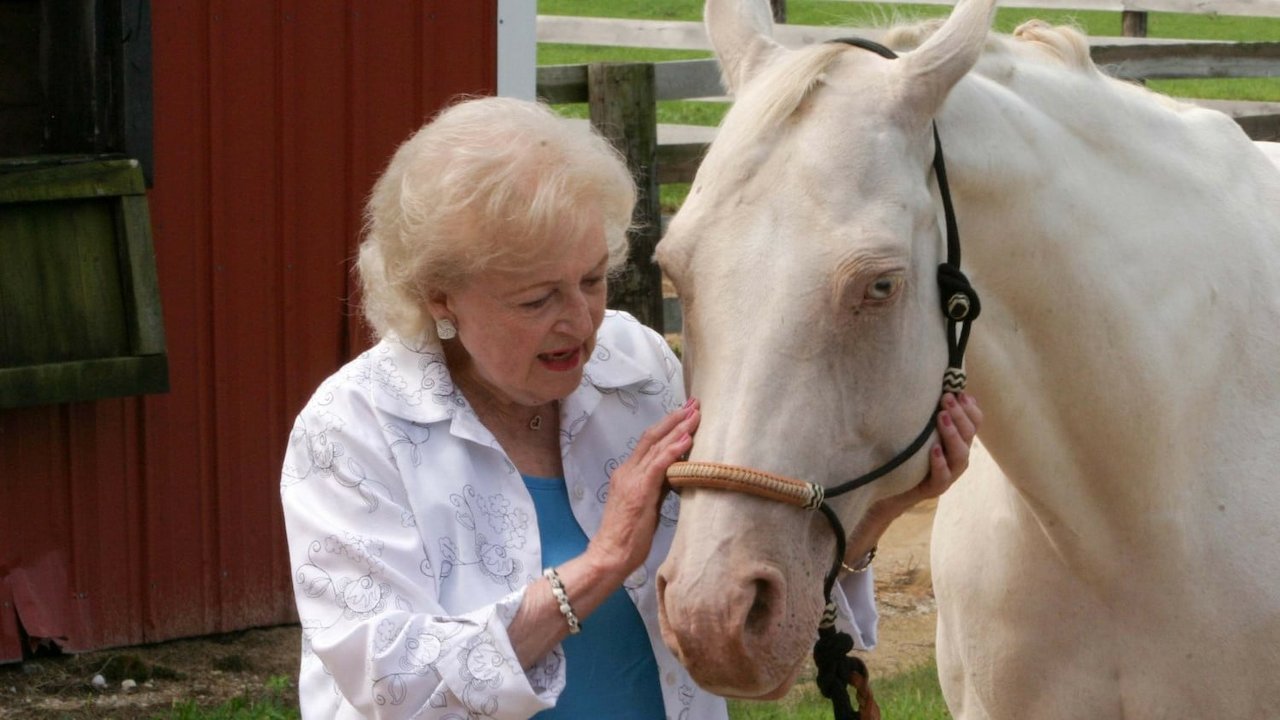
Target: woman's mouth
x,y
561,360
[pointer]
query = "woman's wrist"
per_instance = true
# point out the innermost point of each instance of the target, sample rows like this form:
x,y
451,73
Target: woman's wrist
x,y
605,563
866,536
861,565
562,599
886,510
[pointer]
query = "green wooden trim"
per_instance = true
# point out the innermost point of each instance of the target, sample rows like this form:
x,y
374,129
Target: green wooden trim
x,y
83,380
25,182
142,306
85,320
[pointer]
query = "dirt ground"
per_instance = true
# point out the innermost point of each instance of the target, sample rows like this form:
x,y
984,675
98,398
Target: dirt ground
x,y
904,591
257,664
262,663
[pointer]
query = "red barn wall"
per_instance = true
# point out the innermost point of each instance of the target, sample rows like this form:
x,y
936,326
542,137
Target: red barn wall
x,y
143,519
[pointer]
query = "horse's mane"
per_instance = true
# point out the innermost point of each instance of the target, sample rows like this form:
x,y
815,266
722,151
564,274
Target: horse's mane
x,y
779,92
1065,45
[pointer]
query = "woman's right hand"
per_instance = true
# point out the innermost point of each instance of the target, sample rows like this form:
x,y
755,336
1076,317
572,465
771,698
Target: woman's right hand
x,y
622,543
637,489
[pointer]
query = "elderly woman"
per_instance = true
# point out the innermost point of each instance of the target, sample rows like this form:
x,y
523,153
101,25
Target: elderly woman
x,y
475,507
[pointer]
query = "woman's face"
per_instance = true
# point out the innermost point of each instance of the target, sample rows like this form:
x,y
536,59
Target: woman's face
x,y
527,333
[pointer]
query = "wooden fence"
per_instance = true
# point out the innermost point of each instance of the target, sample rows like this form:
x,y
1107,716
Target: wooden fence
x,y
622,96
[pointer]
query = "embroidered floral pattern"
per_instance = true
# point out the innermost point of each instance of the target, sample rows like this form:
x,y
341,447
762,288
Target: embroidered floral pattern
x,y
356,595
437,381
321,449
630,396
505,529
482,665
422,652
410,438
382,374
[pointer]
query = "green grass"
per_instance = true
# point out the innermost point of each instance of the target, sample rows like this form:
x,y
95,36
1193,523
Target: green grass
x,y
237,709
276,700
913,695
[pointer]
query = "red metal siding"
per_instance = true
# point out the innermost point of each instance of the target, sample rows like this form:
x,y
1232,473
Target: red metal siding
x,y
137,520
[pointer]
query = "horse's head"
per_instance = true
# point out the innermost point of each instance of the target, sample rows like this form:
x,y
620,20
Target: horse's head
x,y
806,258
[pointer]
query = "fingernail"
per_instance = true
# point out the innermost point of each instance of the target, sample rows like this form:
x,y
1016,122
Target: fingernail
x,y
946,419
949,400
937,450
688,403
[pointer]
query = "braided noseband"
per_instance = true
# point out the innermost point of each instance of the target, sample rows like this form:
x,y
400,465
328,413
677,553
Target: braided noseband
x,y
836,668
745,480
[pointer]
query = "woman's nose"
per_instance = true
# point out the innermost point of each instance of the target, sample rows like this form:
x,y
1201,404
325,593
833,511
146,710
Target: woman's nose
x,y
576,319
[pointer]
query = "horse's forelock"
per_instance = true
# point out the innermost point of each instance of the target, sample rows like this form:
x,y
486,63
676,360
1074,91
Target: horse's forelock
x,y
784,86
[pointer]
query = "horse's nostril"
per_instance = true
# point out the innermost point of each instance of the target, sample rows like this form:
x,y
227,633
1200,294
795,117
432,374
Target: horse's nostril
x,y
760,617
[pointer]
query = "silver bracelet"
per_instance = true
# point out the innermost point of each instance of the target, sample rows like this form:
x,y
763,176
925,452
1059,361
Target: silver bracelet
x,y
863,566
557,589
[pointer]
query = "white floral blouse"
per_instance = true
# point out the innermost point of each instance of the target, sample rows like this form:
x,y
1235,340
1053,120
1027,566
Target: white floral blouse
x,y
413,538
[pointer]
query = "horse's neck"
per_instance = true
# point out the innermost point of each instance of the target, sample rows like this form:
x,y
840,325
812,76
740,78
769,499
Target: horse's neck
x,y
1126,282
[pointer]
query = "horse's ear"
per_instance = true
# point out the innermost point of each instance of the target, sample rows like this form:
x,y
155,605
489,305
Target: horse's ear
x,y
741,32
932,69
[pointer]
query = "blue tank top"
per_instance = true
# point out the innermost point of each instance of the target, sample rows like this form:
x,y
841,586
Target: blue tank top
x,y
610,667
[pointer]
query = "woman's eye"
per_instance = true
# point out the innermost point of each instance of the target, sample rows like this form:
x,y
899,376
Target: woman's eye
x,y
593,281
536,304
883,287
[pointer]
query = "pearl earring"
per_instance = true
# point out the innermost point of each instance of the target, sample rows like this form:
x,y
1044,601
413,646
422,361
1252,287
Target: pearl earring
x,y
446,329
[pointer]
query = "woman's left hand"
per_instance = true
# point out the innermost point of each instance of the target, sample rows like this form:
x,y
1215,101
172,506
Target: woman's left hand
x,y
957,425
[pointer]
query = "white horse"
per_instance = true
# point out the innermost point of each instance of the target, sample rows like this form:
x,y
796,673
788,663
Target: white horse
x,y
1117,554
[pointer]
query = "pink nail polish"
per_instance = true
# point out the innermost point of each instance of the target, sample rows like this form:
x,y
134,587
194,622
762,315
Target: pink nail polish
x,y
946,419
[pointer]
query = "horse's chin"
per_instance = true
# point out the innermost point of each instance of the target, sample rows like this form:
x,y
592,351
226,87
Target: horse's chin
x,y
778,692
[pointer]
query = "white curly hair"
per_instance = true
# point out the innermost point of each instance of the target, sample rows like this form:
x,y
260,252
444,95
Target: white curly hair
x,y
489,182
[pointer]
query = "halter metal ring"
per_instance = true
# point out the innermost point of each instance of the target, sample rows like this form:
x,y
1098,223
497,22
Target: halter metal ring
x,y
958,306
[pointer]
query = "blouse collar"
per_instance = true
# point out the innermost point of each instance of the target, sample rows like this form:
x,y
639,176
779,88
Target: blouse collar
x,y
414,384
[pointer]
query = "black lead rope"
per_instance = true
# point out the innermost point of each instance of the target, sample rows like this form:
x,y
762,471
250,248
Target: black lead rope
x,y
836,669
